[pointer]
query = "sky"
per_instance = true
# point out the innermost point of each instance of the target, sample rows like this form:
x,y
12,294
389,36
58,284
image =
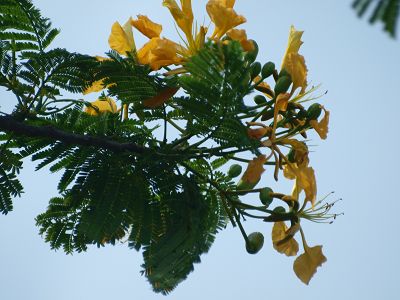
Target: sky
x,y
355,62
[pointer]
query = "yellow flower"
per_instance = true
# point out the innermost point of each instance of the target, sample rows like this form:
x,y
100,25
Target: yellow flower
x,y
293,62
121,38
241,36
223,16
102,105
159,52
146,26
282,239
183,17
321,127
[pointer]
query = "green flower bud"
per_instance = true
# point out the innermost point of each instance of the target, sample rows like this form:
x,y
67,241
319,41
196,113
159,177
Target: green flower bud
x,y
282,85
280,210
268,69
234,171
260,99
283,72
314,111
265,196
255,69
252,55
291,155
255,243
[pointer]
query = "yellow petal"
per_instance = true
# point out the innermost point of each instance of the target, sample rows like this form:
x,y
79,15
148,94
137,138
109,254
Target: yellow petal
x,y
254,170
183,17
305,180
103,106
295,65
293,62
321,127
241,36
121,38
160,98
223,16
146,26
306,264
283,241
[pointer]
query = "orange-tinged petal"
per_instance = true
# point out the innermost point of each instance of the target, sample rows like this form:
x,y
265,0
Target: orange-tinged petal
x,y
160,98
121,38
257,133
241,36
283,241
146,26
158,53
254,170
103,106
307,263
321,127
263,87
223,16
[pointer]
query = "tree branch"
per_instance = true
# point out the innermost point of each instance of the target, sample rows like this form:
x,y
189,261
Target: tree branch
x,y
8,123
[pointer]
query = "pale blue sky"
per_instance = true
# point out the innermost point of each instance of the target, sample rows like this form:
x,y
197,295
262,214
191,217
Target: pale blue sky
x,y
357,64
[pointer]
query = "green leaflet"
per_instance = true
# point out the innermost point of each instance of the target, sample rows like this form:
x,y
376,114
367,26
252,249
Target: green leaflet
x,y
385,11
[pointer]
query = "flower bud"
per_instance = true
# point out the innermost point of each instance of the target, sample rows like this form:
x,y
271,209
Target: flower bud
x,y
268,69
260,99
265,196
314,111
255,69
252,55
282,85
234,171
255,243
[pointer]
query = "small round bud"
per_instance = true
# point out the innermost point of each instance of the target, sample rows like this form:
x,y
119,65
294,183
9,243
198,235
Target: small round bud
x,y
260,99
255,243
291,155
265,196
252,55
234,171
280,210
314,111
282,85
255,69
283,72
268,69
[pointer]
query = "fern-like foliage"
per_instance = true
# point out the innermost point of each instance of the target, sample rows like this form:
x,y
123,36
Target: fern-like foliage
x,y
385,11
23,28
10,165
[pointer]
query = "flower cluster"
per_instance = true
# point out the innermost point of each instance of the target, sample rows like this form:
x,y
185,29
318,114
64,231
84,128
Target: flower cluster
x,y
280,125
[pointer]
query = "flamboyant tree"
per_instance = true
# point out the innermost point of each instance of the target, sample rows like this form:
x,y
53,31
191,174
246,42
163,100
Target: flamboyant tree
x,y
143,162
